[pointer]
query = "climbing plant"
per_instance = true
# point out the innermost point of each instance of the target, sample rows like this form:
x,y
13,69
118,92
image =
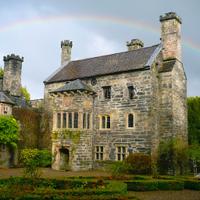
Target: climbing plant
x,y
9,131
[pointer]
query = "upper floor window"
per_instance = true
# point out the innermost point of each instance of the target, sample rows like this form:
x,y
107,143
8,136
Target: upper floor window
x,y
64,120
105,122
131,91
86,120
75,120
130,121
69,120
58,120
5,110
107,92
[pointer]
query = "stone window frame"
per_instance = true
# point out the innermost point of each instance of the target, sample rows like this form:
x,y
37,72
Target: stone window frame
x,y
127,120
99,152
106,122
5,110
107,92
122,155
86,123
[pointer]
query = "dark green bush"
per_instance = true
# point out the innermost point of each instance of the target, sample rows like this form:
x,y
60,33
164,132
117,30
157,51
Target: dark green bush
x,y
170,185
119,168
139,163
192,184
151,185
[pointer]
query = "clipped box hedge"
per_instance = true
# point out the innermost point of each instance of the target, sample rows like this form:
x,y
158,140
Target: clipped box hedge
x,y
192,184
152,185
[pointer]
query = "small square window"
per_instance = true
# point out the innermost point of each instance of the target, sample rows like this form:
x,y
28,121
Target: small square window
x,y
107,92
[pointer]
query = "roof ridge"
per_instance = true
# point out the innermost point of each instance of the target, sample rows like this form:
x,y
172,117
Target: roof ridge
x,y
90,58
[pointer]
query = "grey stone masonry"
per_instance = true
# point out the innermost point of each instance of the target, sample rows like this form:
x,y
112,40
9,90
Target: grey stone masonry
x,y
134,109
12,74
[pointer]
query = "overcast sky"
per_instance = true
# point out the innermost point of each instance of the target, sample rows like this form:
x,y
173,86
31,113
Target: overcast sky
x,y
34,28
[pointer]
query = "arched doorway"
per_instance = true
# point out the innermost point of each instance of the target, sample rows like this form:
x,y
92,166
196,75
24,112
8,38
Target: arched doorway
x,y
64,159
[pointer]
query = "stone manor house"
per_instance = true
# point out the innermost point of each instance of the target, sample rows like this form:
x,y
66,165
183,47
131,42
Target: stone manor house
x,y
103,107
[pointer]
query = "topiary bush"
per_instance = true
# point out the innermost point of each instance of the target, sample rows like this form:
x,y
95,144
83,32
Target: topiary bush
x,y
139,163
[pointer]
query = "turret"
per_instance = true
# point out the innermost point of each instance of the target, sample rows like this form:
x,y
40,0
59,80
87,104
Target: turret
x,y
66,46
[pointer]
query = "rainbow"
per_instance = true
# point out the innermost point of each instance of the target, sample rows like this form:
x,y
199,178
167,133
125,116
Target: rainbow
x,y
140,25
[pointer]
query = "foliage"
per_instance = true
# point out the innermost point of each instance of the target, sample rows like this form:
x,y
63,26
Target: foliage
x,y
26,94
32,159
9,131
139,163
192,184
1,72
119,168
151,185
172,156
193,119
67,134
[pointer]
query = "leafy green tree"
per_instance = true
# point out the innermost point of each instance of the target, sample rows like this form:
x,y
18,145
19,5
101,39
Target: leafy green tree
x,y
26,94
193,119
1,72
9,131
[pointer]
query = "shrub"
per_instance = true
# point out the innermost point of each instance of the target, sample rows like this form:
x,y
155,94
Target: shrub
x,y
139,163
119,168
32,159
9,131
192,184
151,185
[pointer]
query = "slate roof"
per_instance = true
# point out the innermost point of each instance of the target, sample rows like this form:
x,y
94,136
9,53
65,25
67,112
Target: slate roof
x,y
73,86
5,99
108,64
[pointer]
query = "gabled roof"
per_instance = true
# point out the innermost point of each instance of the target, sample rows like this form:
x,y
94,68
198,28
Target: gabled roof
x,y
108,64
73,86
5,99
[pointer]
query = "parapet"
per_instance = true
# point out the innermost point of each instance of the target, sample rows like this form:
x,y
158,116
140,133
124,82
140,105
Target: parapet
x,y
66,43
13,57
170,15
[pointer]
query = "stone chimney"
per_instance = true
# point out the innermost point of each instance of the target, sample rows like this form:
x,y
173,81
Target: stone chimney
x,y
66,46
12,74
134,44
171,36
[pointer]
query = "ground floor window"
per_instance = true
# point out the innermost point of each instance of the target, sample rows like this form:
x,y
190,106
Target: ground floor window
x,y
99,151
121,153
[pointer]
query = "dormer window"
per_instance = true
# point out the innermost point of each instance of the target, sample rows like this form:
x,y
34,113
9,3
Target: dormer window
x,y
107,92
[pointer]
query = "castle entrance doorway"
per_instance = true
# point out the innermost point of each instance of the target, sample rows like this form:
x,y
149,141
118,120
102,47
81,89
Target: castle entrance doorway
x,y
64,159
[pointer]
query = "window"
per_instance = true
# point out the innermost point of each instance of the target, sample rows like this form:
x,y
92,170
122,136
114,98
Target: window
x,y
121,153
107,92
99,152
75,120
5,110
3,147
58,120
70,120
130,120
131,91
64,120
105,122
86,120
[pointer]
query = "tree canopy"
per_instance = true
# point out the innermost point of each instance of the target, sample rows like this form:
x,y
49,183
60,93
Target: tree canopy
x,y
26,94
9,131
193,119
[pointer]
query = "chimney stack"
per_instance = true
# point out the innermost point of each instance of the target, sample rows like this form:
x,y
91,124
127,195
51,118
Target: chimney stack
x,y
66,46
134,44
171,36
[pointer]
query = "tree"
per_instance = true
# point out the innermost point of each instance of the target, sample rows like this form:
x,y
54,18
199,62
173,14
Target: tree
x,y
9,131
1,72
193,119
26,94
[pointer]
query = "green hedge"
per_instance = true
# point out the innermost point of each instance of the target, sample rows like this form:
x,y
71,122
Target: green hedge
x,y
192,184
152,185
